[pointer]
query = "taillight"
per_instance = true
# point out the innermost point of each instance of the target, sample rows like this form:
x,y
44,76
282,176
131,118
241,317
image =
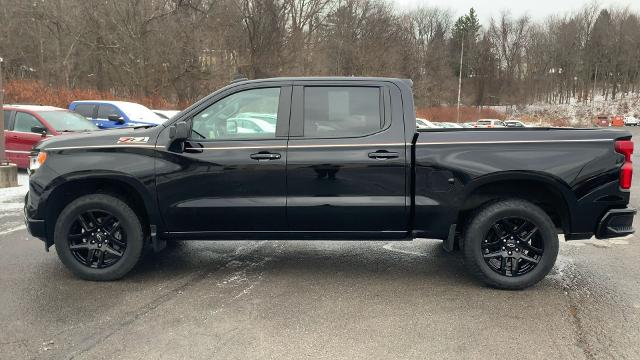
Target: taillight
x,y
625,147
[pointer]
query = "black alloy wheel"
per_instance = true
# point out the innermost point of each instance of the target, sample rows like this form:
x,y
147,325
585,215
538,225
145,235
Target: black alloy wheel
x,y
510,244
97,239
512,247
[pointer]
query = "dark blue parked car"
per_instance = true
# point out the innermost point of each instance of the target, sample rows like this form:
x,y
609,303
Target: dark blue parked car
x,y
115,114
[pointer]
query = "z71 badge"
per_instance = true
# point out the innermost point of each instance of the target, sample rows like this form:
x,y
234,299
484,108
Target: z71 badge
x,y
133,140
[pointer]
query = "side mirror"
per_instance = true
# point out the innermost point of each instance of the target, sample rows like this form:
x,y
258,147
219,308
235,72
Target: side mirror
x,y
117,118
39,130
179,131
232,127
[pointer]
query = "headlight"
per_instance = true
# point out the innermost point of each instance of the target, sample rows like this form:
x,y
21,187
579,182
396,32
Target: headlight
x,y
36,161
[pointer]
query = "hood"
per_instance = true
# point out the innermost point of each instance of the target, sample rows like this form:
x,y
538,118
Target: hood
x,y
106,138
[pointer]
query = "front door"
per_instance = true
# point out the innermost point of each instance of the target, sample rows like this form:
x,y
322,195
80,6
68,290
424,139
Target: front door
x,y
229,180
22,138
102,117
347,166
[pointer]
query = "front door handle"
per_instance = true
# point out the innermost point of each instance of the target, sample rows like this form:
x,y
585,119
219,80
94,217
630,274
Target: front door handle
x,y
383,154
265,156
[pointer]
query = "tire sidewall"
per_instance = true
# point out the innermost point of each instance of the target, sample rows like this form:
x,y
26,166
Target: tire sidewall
x,y
129,222
479,228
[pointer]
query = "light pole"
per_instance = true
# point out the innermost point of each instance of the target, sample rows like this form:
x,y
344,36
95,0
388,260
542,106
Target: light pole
x,y
595,81
460,78
3,159
8,172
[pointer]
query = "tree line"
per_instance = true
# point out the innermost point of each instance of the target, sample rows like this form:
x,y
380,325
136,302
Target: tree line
x,y
184,49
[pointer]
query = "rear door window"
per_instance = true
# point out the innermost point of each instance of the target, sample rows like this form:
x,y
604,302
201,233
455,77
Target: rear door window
x,y
85,110
24,122
336,112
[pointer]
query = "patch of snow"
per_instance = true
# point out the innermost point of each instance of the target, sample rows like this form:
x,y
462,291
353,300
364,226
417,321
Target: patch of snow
x,y
575,113
559,272
9,197
392,246
20,227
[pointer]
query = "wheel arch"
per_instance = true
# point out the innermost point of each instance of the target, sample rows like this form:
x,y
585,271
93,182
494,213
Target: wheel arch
x,y
552,194
124,186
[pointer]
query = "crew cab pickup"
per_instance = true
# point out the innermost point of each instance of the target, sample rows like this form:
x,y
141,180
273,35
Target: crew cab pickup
x,y
343,160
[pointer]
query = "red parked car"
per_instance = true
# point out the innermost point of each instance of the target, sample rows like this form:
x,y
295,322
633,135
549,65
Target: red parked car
x,y
26,125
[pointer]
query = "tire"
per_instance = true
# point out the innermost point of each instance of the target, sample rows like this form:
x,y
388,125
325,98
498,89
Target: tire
x,y
128,228
488,227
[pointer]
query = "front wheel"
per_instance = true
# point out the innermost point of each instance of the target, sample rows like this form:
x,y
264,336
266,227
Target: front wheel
x,y
511,244
99,237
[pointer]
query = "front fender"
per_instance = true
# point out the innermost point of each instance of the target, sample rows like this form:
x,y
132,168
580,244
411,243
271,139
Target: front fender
x,y
145,189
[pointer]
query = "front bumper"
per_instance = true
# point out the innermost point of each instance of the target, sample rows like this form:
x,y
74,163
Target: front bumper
x,y
35,227
616,223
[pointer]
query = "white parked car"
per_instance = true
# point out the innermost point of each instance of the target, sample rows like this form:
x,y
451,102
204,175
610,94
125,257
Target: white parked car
x,y
489,123
514,123
450,125
631,121
425,124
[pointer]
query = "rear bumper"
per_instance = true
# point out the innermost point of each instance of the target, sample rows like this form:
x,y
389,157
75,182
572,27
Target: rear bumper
x,y
616,223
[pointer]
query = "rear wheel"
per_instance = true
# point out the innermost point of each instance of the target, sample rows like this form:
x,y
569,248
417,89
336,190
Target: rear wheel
x,y
98,237
511,244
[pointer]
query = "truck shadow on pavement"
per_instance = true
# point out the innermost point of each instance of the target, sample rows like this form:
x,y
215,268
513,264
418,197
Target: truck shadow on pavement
x,y
423,259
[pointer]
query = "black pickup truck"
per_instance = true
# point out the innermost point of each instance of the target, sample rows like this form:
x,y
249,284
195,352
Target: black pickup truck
x,y
328,158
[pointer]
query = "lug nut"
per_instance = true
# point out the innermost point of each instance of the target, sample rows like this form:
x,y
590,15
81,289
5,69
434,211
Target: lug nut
x,y
510,253
503,248
517,249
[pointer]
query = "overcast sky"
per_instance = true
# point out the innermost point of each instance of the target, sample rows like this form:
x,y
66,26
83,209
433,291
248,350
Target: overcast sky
x,y
537,9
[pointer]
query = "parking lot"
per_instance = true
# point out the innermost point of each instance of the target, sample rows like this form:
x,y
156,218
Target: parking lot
x,y
296,299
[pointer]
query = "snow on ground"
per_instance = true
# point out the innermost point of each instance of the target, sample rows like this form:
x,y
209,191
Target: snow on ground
x,y
575,113
12,199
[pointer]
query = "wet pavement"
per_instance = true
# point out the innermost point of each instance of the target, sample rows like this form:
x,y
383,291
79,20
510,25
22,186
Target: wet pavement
x,y
296,299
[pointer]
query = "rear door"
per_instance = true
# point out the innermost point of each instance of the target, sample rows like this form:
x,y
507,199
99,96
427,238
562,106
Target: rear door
x,y
228,181
347,165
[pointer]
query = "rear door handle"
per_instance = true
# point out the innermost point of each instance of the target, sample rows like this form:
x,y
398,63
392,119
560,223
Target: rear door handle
x,y
265,156
383,154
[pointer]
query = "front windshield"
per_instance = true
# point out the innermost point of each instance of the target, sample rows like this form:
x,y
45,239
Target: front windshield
x,y
137,112
67,121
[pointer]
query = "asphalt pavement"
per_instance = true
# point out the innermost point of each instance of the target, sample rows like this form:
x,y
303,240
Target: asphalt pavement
x,y
333,300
